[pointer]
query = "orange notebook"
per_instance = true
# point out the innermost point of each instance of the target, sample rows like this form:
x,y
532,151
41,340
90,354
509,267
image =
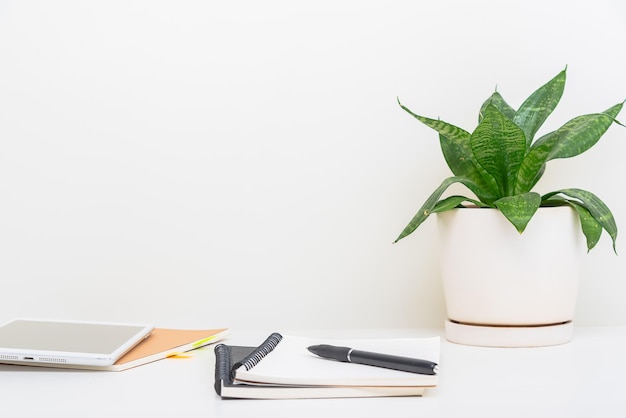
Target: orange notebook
x,y
163,343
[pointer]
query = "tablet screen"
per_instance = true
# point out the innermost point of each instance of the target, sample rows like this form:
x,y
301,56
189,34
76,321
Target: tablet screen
x,y
70,338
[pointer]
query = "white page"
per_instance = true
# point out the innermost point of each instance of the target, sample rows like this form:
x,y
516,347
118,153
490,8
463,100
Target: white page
x,y
290,363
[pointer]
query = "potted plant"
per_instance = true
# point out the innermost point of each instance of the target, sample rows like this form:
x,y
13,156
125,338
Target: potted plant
x,y
495,294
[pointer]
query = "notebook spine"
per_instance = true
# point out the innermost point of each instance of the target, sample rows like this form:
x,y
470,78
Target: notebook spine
x,y
222,366
259,353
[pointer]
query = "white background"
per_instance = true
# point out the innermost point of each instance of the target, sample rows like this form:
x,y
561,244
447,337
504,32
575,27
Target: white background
x,y
245,163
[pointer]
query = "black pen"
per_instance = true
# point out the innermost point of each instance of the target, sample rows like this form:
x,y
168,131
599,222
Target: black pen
x,y
350,355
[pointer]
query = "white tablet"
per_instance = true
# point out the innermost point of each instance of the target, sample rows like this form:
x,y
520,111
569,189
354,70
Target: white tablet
x,y
49,343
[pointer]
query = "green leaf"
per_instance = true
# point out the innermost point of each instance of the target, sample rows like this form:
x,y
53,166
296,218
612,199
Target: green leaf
x,y
455,202
498,101
519,209
572,139
453,132
427,208
539,105
591,228
580,134
614,111
499,146
460,159
596,207
455,146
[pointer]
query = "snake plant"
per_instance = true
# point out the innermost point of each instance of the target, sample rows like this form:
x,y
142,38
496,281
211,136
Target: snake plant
x,y
500,161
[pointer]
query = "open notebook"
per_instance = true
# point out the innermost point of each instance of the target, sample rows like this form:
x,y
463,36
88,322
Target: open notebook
x,y
282,367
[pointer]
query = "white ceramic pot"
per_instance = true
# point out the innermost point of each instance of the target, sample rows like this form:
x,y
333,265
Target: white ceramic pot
x,y
495,277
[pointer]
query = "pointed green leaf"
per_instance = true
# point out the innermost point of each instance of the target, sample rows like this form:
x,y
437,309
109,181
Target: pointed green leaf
x,y
614,111
498,101
453,132
579,134
570,140
428,206
536,109
455,146
461,161
455,202
499,146
519,209
591,228
596,207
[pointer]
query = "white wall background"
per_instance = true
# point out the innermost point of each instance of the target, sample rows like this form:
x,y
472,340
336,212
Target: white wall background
x,y
245,163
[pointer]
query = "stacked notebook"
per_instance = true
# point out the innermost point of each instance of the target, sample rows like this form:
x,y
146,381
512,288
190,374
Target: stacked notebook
x,y
283,368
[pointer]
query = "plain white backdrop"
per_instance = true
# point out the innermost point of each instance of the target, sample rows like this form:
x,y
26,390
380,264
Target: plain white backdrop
x,y
245,163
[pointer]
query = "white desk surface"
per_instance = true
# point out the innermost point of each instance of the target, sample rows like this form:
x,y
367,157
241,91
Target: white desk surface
x,y
585,378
